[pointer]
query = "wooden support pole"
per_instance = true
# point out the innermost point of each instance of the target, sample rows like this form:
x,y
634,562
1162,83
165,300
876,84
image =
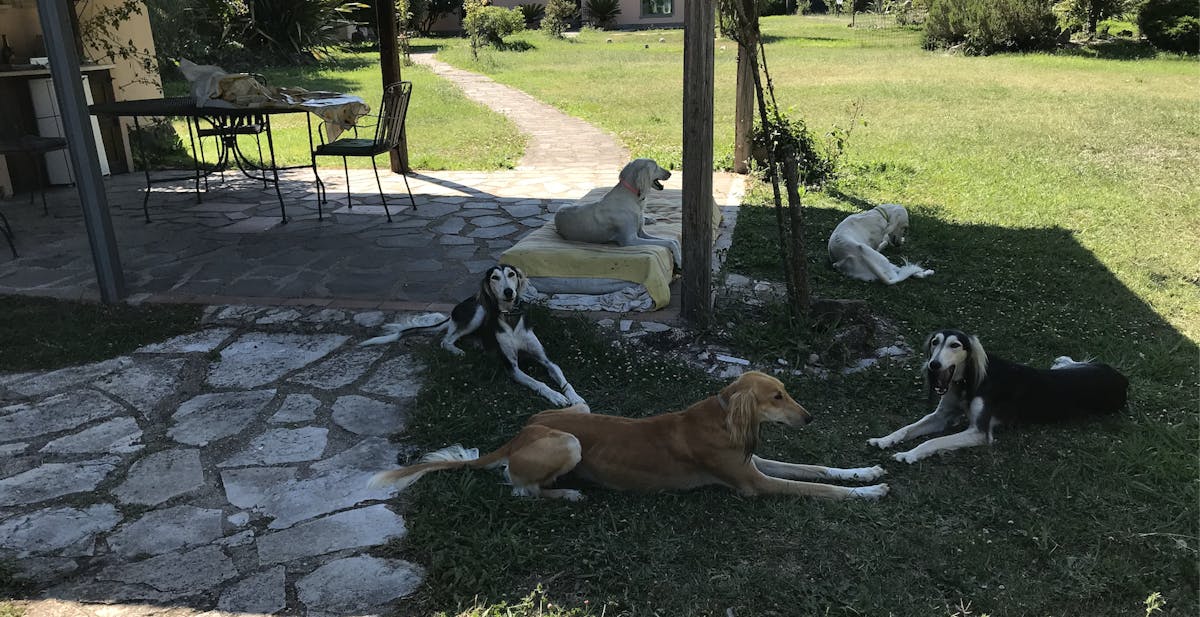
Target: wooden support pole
x,y
389,65
696,288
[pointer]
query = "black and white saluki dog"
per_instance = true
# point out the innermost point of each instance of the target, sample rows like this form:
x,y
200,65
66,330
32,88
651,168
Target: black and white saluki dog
x,y
496,315
994,391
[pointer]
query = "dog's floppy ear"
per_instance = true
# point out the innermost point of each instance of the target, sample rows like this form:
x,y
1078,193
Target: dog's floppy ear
x,y
485,295
522,281
742,418
979,361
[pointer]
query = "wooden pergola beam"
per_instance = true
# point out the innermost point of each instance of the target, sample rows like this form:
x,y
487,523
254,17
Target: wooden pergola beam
x,y
389,66
696,287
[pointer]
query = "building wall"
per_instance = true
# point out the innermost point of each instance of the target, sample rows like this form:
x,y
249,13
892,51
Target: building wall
x,y
19,22
631,15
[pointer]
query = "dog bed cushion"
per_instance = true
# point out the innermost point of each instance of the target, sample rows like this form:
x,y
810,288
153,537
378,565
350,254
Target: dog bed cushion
x,y
544,253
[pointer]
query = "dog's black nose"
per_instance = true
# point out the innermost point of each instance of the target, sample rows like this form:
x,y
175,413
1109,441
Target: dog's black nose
x,y
935,365
508,294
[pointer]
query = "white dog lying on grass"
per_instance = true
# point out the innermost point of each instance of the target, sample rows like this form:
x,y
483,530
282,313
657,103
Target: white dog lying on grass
x,y
855,245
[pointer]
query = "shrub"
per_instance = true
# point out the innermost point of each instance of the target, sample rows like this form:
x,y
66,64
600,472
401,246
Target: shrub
x,y
981,27
488,25
533,14
603,12
559,15
1171,25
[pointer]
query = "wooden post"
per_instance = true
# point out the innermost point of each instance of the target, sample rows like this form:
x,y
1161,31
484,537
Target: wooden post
x,y
743,120
389,65
696,288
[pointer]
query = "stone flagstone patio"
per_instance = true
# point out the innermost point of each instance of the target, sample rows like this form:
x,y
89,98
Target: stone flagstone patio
x,y
219,472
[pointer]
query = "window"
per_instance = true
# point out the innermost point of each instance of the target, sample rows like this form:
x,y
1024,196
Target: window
x,y
657,8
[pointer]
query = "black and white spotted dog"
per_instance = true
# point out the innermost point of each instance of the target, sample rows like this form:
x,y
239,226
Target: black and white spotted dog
x,y
992,391
496,315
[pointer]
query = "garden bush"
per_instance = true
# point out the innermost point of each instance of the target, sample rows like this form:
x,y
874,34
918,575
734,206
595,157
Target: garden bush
x,y
603,13
1171,25
559,15
488,25
982,27
533,13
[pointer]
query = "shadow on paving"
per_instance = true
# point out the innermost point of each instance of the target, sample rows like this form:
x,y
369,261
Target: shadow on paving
x,y
1086,518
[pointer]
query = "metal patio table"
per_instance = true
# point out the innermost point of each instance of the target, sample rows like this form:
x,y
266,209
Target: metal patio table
x,y
226,123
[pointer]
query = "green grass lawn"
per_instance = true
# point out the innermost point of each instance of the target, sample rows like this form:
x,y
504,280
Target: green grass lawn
x,y
445,129
1056,198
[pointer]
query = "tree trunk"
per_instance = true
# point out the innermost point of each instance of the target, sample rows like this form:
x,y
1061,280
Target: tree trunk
x,y
698,43
389,66
743,123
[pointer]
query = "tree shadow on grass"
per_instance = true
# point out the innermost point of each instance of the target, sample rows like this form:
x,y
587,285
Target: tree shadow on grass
x,y
1085,491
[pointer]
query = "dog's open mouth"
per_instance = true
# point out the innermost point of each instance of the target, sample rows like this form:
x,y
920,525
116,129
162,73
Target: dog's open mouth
x,y
941,379
657,184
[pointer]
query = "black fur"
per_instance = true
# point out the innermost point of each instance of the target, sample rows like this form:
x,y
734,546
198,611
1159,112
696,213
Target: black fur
x,y
1016,394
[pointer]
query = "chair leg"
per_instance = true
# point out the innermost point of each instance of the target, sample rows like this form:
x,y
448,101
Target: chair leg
x,y
409,189
346,170
6,231
320,189
261,164
379,185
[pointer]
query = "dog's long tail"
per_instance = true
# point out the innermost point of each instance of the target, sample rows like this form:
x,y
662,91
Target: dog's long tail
x,y
396,330
453,457
884,270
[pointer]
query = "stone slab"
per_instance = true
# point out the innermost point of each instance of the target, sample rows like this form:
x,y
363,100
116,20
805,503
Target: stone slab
x,y
67,377
339,370
213,416
161,476
203,341
358,528
282,445
163,531
371,454
54,414
367,416
296,408
357,586
116,436
273,492
67,532
257,358
55,480
144,384
399,377
175,575
261,593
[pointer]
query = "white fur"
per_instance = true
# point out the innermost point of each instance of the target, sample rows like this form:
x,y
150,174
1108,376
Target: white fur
x,y
619,216
397,329
448,454
855,245
869,493
1062,362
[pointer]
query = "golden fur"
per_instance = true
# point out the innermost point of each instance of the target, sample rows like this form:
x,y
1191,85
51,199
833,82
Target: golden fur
x,y
710,442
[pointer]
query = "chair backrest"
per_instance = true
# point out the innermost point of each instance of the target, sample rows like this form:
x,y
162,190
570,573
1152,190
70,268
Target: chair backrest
x,y
392,113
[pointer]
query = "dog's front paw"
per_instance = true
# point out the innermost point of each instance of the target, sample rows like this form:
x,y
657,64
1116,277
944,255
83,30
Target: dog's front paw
x,y
874,492
557,399
923,273
906,457
570,494
865,474
883,443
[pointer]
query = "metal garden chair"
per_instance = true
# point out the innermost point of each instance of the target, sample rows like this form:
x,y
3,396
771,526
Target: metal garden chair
x,y
388,128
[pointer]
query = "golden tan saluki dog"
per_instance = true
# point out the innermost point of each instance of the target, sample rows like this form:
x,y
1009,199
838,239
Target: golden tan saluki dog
x,y
711,442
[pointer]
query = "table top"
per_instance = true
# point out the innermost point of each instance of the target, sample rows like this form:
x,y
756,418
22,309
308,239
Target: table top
x,y
180,106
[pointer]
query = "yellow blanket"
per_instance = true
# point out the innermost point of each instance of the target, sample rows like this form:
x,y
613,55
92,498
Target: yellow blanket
x,y
544,253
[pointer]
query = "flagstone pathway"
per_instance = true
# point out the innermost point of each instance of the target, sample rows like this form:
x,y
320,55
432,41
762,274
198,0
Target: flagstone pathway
x,y
224,470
